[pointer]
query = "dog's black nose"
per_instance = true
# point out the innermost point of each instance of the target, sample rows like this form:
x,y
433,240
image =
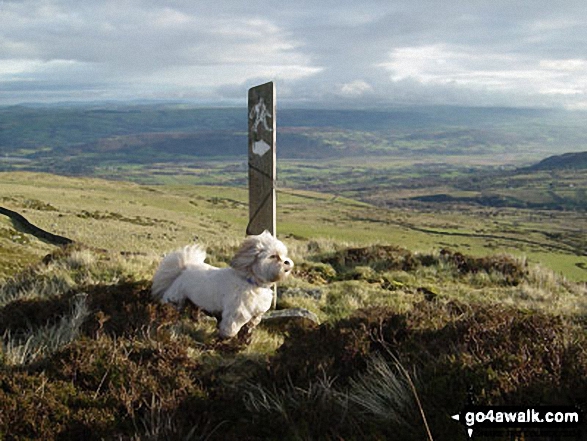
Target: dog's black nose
x,y
288,262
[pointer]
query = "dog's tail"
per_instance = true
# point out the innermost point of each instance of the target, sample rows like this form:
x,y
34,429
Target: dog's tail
x,y
173,264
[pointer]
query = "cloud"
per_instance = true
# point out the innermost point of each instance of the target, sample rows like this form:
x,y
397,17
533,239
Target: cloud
x,y
355,88
526,78
344,53
138,45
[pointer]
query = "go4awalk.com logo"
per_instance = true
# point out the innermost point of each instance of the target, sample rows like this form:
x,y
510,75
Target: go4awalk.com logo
x,y
542,418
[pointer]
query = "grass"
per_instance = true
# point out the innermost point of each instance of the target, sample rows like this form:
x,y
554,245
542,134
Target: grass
x,y
409,328
24,347
83,339
122,216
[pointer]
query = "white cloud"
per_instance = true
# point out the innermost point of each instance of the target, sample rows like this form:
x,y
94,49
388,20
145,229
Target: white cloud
x,y
441,65
574,65
169,18
143,48
12,67
355,88
15,69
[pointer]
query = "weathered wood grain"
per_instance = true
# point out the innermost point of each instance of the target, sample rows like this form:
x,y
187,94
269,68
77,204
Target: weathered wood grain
x,y
262,159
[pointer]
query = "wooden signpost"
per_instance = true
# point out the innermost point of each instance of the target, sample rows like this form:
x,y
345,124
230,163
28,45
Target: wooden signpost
x,y
262,159
262,176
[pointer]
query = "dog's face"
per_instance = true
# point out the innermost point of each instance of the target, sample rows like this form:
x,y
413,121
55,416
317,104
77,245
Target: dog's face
x,y
264,258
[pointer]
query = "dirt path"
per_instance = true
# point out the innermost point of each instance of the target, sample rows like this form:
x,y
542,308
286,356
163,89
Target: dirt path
x,y
24,226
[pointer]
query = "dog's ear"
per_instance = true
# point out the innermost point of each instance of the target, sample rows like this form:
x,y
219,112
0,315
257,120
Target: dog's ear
x,y
246,255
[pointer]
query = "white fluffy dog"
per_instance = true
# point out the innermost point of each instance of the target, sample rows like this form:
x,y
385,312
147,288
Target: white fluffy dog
x,y
237,295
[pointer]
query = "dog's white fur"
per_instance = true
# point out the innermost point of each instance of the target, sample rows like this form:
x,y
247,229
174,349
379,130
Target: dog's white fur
x,y
238,294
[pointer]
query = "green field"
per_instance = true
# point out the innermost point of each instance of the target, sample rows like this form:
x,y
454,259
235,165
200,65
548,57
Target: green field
x,y
129,217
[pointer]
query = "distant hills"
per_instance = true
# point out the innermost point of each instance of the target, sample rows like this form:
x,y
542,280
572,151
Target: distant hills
x,y
434,155
566,161
78,140
25,130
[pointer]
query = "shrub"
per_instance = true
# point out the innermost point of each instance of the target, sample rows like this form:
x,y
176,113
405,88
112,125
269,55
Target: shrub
x,y
512,270
315,273
96,389
126,309
378,257
495,354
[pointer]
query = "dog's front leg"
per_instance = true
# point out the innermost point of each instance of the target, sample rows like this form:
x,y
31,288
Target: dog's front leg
x,y
231,324
255,320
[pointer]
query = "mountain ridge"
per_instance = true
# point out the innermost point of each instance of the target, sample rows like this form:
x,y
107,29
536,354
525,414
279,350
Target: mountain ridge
x,y
572,160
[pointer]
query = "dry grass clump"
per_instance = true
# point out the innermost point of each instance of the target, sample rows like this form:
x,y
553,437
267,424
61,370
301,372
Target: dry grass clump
x,y
23,346
377,257
512,270
380,258
491,353
95,389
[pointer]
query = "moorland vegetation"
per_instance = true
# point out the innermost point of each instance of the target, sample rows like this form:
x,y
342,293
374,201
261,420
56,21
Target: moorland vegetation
x,y
405,340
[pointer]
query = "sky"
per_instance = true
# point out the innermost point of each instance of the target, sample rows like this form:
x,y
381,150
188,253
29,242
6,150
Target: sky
x,y
347,54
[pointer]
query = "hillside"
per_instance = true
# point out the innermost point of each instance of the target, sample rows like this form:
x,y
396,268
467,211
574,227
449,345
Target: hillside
x,y
441,158
123,217
412,326
88,140
576,161
442,271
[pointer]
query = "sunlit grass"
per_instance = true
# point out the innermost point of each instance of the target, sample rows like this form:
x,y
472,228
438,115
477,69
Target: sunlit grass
x,y
121,216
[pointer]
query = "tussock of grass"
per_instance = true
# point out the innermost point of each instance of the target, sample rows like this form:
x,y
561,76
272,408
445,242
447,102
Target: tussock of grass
x,y
386,392
22,347
298,412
